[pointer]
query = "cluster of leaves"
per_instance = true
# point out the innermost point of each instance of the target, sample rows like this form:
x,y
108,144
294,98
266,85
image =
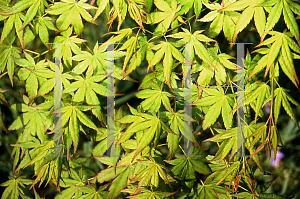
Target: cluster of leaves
x,y
139,168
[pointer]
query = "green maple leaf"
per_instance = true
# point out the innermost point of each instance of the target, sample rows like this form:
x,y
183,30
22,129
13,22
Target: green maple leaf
x,y
122,7
14,24
186,167
257,95
41,26
34,6
33,119
136,48
151,173
150,125
68,45
280,52
15,187
222,20
72,115
87,89
7,54
168,51
196,46
217,100
250,9
67,8
188,4
168,15
90,191
219,62
209,190
229,138
154,98
134,119
73,185
287,8
176,122
145,193
158,77
93,63
282,97
120,179
35,74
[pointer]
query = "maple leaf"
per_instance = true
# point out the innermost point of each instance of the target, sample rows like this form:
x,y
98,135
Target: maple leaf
x,y
67,8
168,15
168,51
217,100
222,20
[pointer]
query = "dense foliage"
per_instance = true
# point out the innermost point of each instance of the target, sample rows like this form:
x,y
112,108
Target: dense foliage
x,y
150,159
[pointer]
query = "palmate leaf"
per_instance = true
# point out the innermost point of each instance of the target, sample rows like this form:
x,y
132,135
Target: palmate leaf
x,y
41,26
219,62
176,122
229,138
73,185
154,98
168,14
197,47
151,173
120,179
145,193
168,51
285,7
72,116
35,74
34,6
251,9
121,8
93,63
209,190
279,51
7,54
187,5
69,45
257,95
33,119
281,98
185,169
134,119
90,191
222,20
150,125
158,78
77,10
217,100
136,48
12,25
15,187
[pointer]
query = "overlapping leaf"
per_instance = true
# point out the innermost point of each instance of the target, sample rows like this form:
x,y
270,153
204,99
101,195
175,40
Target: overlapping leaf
x,y
217,100
222,20
278,52
154,98
168,51
35,74
167,16
67,8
